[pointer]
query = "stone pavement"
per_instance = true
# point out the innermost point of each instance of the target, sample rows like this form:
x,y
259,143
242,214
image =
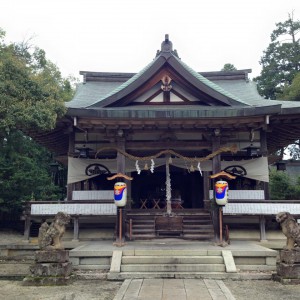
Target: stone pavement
x,y
173,289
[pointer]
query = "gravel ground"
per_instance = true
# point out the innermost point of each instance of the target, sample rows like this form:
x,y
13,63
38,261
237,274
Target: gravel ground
x,y
106,290
262,290
79,290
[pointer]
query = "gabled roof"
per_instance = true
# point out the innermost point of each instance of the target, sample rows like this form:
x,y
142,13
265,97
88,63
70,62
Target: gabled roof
x,y
96,94
219,94
209,99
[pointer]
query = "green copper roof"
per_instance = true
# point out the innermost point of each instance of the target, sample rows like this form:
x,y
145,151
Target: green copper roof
x,y
126,83
208,82
235,94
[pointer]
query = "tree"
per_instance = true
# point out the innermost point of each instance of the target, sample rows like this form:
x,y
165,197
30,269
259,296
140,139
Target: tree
x,y
282,187
229,67
32,90
281,60
24,172
32,96
292,92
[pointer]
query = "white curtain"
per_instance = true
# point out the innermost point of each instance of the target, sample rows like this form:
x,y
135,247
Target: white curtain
x,y
256,168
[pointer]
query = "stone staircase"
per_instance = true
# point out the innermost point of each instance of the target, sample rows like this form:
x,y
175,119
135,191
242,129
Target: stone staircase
x,y
167,264
213,264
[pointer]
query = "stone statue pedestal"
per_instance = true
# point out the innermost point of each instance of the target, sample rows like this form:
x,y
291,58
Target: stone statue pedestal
x,y
51,267
288,268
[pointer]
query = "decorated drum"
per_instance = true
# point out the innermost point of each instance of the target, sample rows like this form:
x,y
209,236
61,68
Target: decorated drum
x,y
221,192
120,194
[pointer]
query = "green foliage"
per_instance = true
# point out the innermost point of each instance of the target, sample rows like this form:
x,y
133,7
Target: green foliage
x,y
281,60
32,90
24,172
292,92
282,187
32,97
229,67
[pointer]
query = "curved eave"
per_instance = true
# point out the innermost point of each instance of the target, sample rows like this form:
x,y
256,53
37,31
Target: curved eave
x,y
56,140
177,113
290,110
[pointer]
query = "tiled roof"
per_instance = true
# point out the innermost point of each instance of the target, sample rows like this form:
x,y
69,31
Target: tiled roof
x,y
126,83
90,92
209,83
235,91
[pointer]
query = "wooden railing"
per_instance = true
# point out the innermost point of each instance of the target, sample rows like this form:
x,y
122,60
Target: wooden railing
x,y
76,209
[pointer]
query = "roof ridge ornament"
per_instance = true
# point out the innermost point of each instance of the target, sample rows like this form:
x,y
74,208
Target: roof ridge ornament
x,y
167,47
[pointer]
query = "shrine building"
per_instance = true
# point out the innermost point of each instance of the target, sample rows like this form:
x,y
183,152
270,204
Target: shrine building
x,y
168,128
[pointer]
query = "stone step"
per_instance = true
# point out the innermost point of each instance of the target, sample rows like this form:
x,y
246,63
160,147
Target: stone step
x,y
91,267
258,268
198,275
77,252
173,268
197,236
177,252
172,260
143,236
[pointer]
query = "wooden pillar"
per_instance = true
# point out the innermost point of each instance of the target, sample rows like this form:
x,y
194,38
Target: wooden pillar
x,y
76,228
70,186
206,185
128,204
120,169
216,168
264,152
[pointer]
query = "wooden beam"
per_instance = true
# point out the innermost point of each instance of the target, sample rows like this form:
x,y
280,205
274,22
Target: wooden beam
x,y
255,121
149,145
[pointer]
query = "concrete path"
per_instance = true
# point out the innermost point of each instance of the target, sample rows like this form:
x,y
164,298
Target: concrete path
x,y
173,289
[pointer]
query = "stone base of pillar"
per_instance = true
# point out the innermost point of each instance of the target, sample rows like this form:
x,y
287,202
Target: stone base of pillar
x,y
51,267
288,268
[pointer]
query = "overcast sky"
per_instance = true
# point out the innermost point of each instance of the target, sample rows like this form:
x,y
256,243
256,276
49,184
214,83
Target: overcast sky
x,y
123,35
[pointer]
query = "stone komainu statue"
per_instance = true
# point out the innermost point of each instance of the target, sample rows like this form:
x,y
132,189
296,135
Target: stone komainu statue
x,y
50,236
290,229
